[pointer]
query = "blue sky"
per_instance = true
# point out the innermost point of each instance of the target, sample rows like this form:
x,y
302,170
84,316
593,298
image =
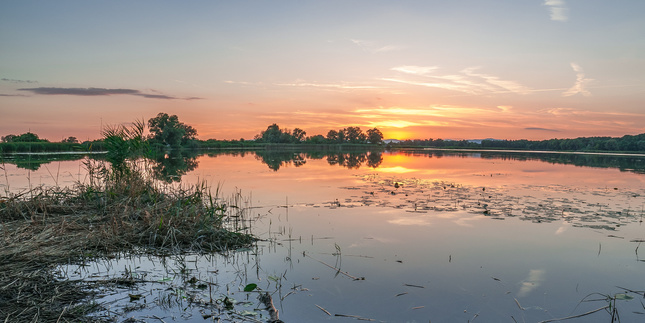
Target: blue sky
x,y
415,69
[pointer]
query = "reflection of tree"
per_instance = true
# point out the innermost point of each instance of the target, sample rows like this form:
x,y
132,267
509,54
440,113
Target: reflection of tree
x,y
277,159
33,162
352,160
624,163
170,167
374,159
28,164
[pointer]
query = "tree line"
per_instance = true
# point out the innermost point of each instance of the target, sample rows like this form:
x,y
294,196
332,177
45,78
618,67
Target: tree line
x,y
353,135
166,131
627,143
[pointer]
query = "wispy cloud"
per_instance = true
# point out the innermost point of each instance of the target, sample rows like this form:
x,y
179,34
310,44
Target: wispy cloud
x,y
92,91
17,81
11,94
418,70
240,82
558,9
541,129
373,47
466,81
581,82
345,86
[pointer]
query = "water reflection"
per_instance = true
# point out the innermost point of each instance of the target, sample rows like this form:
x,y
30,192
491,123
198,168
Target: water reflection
x,y
626,163
35,161
178,163
352,160
172,166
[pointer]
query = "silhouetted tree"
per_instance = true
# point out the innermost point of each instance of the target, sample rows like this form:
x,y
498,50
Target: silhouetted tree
x,y
354,135
71,140
168,131
332,136
8,138
374,136
298,134
25,137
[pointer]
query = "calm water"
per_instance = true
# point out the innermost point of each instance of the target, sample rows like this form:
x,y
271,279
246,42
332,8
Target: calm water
x,y
418,236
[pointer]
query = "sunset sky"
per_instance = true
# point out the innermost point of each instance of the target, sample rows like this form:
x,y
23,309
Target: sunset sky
x,y
507,69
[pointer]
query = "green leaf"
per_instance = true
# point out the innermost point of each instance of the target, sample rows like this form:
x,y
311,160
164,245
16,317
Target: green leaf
x,y
250,287
273,278
248,313
623,297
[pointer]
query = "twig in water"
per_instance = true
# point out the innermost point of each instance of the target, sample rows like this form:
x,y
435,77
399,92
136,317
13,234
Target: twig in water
x,y
337,270
575,316
355,316
158,318
518,304
322,309
410,285
639,244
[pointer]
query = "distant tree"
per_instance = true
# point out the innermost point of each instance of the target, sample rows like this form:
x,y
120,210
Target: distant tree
x,y
354,135
274,134
168,131
298,134
332,135
341,135
317,139
374,136
25,137
8,138
71,140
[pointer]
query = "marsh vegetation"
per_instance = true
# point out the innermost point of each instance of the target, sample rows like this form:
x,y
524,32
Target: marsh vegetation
x,y
118,208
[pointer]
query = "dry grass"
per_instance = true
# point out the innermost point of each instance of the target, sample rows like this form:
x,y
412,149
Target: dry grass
x,y
115,212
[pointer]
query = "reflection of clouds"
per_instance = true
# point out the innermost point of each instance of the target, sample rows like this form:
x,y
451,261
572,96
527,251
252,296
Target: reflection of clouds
x,y
371,240
410,221
533,281
564,227
467,222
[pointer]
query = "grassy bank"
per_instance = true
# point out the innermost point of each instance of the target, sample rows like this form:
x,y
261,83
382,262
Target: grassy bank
x,y
115,211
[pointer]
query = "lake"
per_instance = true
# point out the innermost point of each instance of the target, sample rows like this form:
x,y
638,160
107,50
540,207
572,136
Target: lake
x,y
402,236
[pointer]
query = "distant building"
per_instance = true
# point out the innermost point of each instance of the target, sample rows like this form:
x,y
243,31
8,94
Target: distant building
x,y
391,141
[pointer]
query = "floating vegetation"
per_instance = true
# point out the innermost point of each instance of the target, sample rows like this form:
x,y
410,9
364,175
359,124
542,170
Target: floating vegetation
x,y
600,208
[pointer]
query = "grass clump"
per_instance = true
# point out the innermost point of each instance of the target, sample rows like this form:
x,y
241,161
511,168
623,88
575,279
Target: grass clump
x,y
119,208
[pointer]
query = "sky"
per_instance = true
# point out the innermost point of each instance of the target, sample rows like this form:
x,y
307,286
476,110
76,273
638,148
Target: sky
x,y
471,69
